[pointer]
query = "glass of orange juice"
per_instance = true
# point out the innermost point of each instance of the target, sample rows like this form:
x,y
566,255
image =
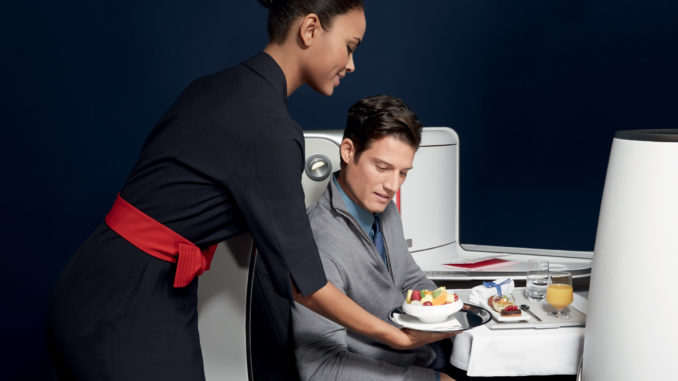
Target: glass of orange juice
x,y
559,293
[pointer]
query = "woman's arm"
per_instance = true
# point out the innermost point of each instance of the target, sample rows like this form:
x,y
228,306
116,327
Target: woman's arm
x,y
321,349
335,305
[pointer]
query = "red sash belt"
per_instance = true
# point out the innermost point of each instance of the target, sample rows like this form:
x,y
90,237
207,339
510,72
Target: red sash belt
x,y
156,239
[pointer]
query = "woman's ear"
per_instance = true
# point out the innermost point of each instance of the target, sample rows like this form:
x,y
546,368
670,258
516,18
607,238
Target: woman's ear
x,y
309,29
347,150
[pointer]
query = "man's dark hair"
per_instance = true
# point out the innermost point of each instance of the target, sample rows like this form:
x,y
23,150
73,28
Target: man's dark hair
x,y
376,117
281,13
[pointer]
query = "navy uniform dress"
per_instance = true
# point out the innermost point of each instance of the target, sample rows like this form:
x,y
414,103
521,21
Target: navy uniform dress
x,y
226,158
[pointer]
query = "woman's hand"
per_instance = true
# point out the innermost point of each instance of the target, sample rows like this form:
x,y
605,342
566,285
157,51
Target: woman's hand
x,y
410,338
335,305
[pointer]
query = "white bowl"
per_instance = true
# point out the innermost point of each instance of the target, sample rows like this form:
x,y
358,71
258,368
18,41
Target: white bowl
x,y
432,314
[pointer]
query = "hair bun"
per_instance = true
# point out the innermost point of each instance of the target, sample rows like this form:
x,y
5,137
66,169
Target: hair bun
x,y
266,3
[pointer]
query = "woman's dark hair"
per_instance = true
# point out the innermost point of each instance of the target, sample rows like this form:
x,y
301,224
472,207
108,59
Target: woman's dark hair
x,y
281,13
376,117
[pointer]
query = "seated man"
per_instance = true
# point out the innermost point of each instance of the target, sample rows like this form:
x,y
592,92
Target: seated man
x,y
381,137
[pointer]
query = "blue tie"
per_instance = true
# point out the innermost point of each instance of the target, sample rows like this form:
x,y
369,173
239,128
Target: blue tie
x,y
378,238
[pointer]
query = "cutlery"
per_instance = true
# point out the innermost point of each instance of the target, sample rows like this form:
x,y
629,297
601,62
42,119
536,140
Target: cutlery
x,y
526,308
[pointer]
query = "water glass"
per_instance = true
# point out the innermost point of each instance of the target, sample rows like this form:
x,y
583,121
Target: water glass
x,y
537,279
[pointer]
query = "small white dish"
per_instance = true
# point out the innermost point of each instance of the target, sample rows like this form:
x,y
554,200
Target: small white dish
x,y
524,316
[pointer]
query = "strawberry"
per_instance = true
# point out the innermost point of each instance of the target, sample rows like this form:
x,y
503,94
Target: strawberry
x,y
416,295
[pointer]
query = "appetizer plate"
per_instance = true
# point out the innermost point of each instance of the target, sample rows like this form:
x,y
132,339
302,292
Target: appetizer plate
x,y
524,316
468,317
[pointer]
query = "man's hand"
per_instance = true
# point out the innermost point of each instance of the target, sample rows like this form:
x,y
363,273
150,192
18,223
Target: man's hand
x,y
444,377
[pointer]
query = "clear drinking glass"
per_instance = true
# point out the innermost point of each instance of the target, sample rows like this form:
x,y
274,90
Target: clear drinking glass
x,y
559,293
537,279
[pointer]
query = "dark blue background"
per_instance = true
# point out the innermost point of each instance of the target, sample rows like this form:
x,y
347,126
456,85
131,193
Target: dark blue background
x,y
535,90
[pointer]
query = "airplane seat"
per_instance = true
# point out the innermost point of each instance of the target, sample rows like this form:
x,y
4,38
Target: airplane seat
x,y
222,310
322,159
240,339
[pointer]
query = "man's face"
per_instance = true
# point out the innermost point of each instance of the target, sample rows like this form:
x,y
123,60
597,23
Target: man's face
x,y
376,176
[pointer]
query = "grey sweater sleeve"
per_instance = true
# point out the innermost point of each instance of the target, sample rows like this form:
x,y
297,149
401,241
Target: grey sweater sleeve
x,y
416,279
321,348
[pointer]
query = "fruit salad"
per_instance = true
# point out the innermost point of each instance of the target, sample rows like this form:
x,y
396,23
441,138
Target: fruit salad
x,y
436,297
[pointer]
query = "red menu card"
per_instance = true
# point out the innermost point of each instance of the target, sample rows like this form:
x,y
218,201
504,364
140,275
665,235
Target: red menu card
x,y
473,265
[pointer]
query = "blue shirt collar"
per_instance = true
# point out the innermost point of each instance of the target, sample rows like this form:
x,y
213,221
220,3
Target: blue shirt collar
x,y
364,218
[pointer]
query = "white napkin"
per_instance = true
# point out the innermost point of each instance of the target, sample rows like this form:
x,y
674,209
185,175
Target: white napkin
x,y
480,294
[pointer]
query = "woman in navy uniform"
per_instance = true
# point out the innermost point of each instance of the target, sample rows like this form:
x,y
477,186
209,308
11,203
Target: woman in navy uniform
x,y
226,158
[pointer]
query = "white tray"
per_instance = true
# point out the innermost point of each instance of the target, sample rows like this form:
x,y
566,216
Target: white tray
x,y
540,309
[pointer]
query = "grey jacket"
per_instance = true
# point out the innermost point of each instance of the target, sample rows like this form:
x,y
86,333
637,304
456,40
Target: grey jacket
x,y
324,349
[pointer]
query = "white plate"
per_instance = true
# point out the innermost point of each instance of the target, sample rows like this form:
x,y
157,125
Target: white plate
x,y
409,321
524,316
468,317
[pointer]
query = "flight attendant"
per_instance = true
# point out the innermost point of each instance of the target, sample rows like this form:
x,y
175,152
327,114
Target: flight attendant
x,y
226,158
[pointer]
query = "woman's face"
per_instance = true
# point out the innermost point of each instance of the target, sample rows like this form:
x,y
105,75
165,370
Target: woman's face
x,y
331,55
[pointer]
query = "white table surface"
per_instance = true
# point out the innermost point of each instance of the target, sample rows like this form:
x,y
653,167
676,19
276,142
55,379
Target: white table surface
x,y
483,352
